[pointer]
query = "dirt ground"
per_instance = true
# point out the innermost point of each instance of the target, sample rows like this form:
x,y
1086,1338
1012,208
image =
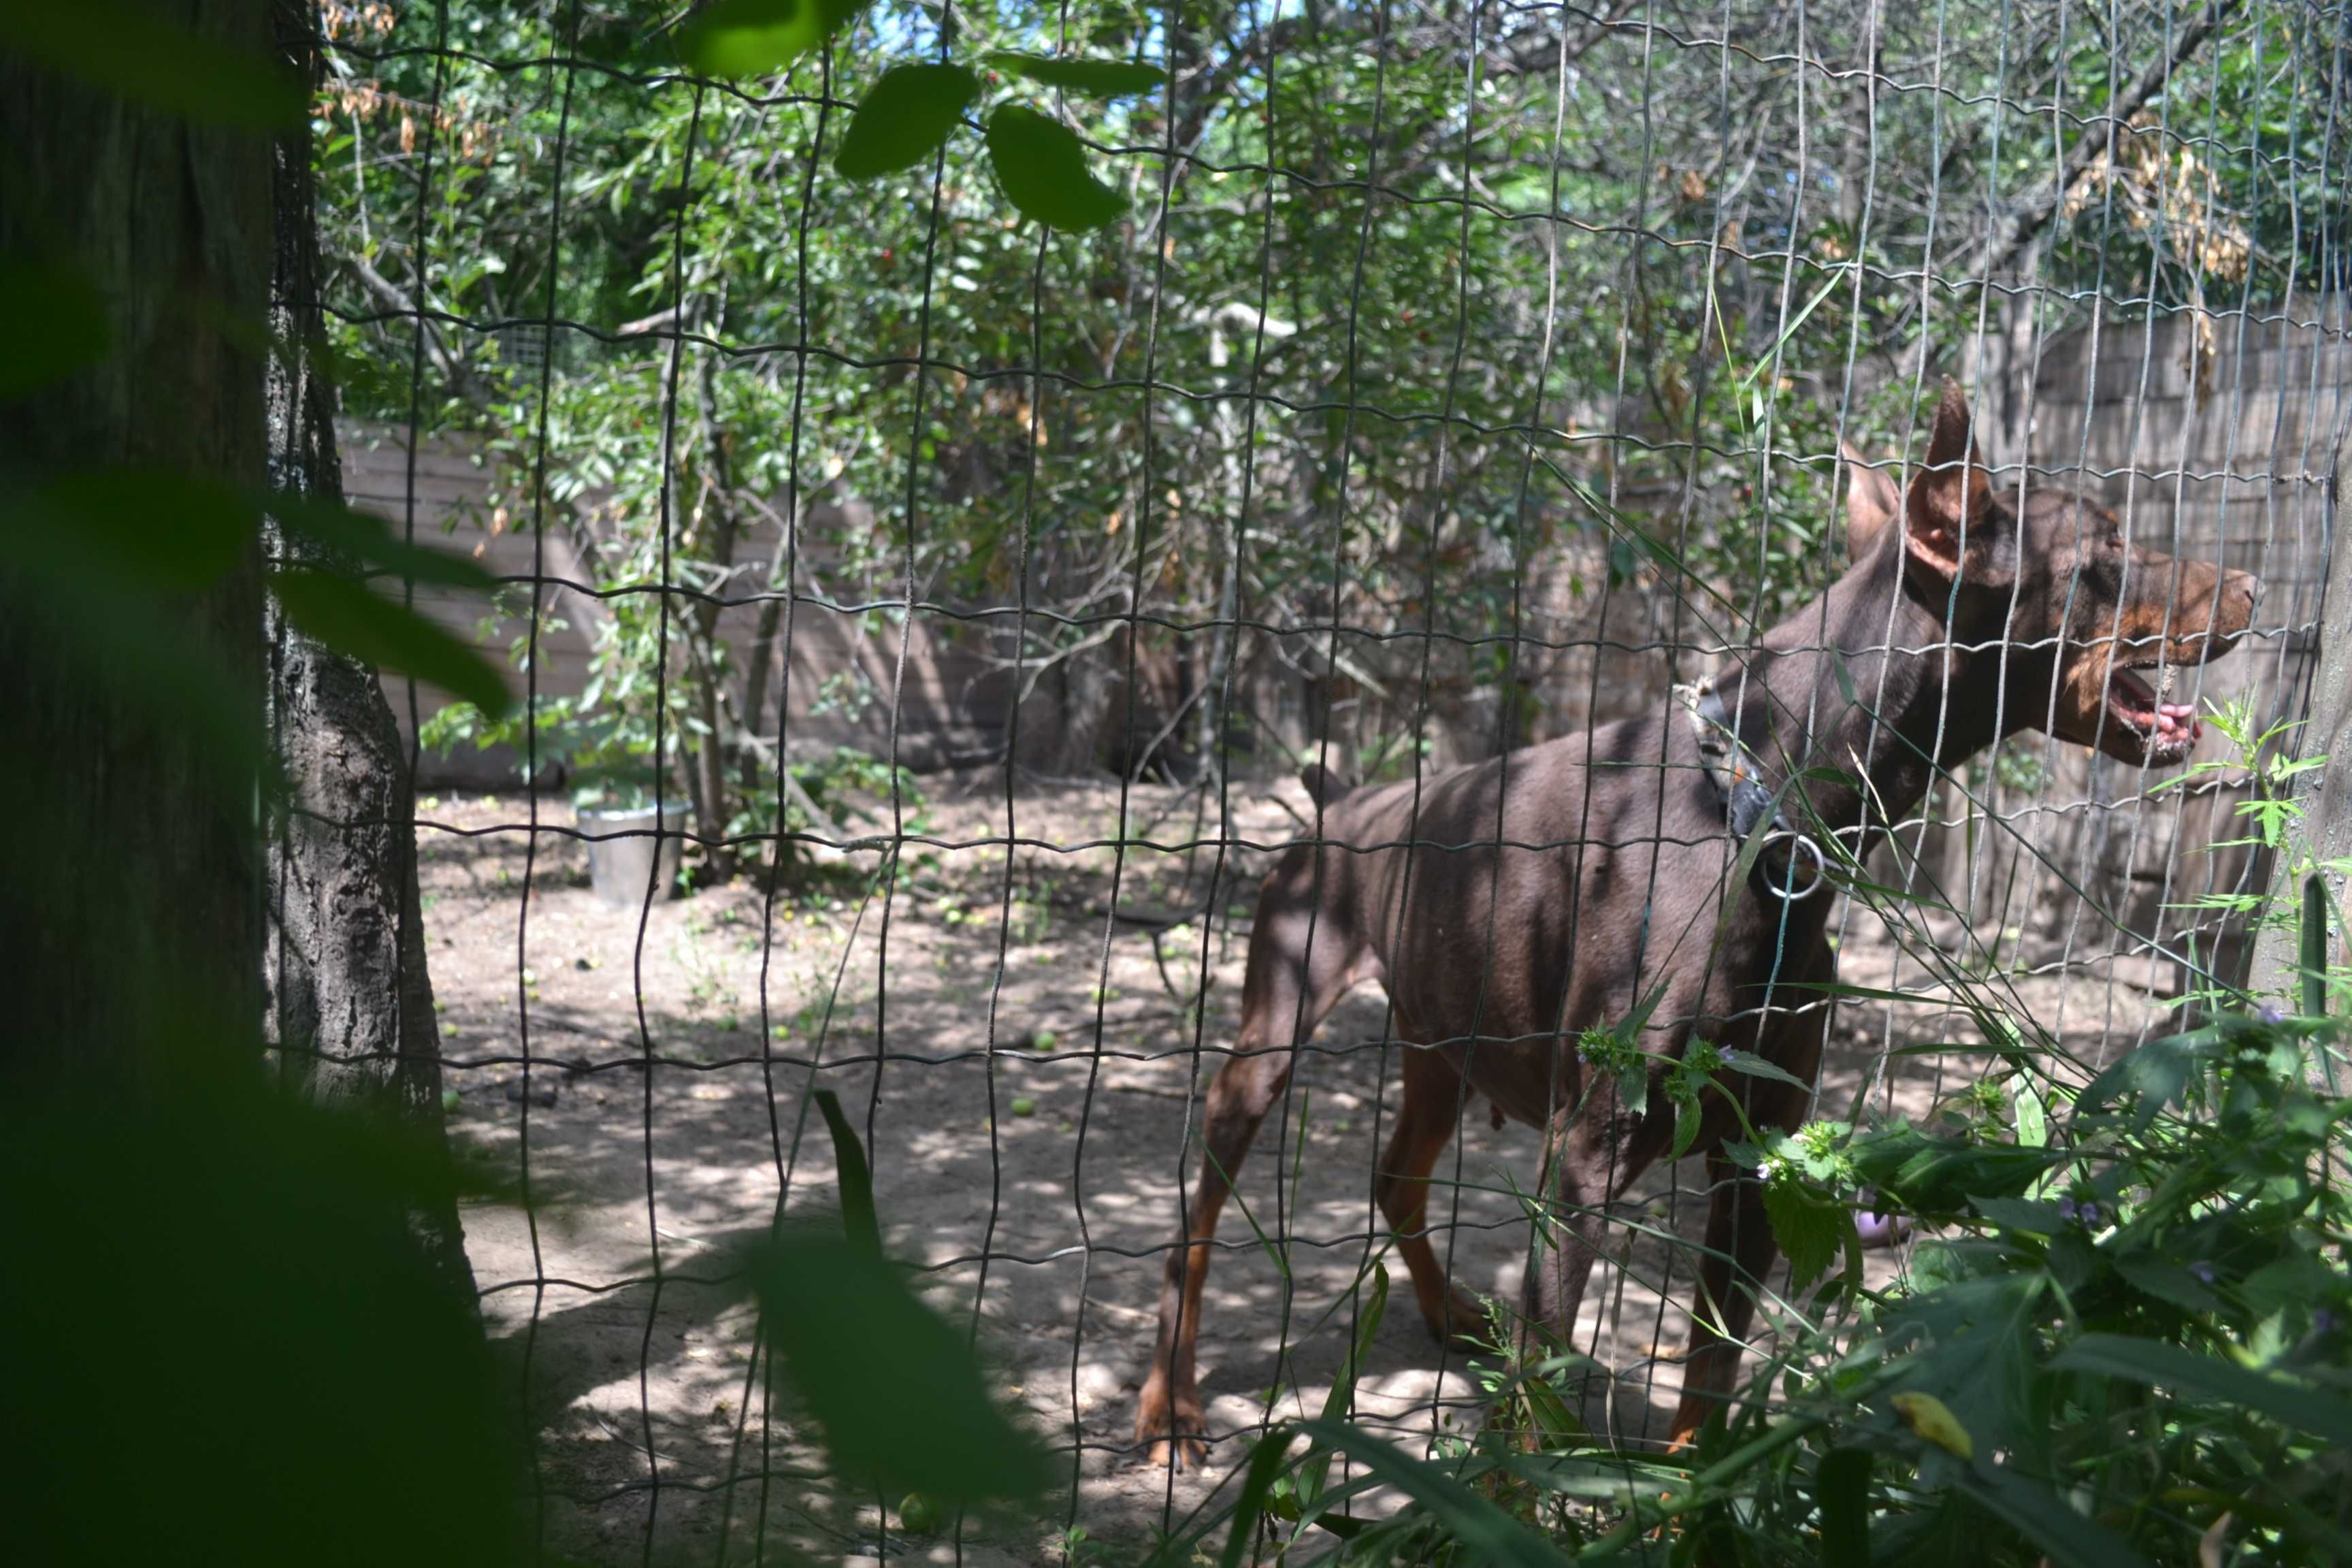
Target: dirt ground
x,y
1026,1158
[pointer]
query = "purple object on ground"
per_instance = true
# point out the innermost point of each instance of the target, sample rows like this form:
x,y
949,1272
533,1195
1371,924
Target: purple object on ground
x,y
1880,1229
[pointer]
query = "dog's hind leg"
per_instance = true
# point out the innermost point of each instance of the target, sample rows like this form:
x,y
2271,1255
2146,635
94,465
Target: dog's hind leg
x,y
1292,982
1432,1102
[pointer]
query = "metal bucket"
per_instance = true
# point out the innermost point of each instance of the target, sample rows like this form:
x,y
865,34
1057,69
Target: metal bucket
x,y
621,851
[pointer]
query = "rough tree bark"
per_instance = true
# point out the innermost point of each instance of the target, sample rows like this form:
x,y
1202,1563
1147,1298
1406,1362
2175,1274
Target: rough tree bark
x,y
2324,831
132,921
351,1008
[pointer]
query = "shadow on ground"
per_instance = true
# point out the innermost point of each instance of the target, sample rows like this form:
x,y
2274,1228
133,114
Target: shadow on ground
x,y
1034,1184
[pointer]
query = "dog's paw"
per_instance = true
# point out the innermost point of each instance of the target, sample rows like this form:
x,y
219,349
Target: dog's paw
x,y
1171,1427
1179,1453
1462,1325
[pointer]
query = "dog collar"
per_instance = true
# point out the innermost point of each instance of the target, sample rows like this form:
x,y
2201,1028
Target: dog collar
x,y
1738,780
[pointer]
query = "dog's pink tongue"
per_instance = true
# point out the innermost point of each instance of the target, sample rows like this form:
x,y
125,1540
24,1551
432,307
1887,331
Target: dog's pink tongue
x,y
2178,720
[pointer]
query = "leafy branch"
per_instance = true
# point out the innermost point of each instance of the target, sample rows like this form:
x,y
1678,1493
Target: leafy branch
x,y
1039,161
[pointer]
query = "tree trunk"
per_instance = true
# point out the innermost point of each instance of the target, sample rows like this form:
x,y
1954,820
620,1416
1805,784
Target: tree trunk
x,y
2323,832
352,1000
133,921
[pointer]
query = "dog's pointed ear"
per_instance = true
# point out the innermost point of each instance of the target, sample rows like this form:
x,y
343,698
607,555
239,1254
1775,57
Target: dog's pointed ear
x,y
1872,502
1952,497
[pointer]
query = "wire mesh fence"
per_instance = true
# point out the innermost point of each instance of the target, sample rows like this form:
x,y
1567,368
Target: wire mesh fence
x,y
967,599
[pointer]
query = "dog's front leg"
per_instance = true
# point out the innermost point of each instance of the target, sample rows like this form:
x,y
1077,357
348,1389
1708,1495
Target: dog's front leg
x,y
1740,1249
1739,1252
1595,1151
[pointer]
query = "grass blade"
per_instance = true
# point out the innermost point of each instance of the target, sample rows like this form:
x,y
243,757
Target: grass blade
x,y
858,1220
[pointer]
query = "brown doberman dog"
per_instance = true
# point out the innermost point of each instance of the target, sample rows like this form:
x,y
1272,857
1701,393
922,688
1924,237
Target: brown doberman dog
x,y
1527,899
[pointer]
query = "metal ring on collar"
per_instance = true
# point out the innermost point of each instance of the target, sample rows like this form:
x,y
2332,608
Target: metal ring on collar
x,y
1800,844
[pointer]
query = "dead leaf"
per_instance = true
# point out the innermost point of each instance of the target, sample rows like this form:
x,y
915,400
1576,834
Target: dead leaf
x,y
1931,1421
2209,1544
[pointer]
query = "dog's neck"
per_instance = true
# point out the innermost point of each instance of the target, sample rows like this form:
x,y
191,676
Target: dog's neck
x,y
1922,699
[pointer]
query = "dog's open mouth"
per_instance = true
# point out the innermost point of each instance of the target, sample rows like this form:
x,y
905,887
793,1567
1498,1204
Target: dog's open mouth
x,y
2165,730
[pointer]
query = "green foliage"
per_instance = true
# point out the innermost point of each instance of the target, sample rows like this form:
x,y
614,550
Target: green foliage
x,y
968,410
2124,1342
250,1284
63,327
1041,168
144,55
903,118
861,1351
1096,79
1811,1231
2262,760
1712,324
908,113
166,533
377,631
752,37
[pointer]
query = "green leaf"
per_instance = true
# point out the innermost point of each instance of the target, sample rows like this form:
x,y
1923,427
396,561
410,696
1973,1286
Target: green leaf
x,y
2021,1214
139,53
2043,1517
1688,1124
1317,1468
350,619
177,532
904,118
1765,361
1041,166
167,533
1630,1028
1096,79
753,37
2155,1365
1844,678
369,541
123,645
58,326
861,1349
1938,1175
1754,1066
1981,1361
2313,945
1265,1457
2167,1282
1842,1487
2033,1117
862,1352
1810,1230
2156,1074
858,1220
1485,1533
